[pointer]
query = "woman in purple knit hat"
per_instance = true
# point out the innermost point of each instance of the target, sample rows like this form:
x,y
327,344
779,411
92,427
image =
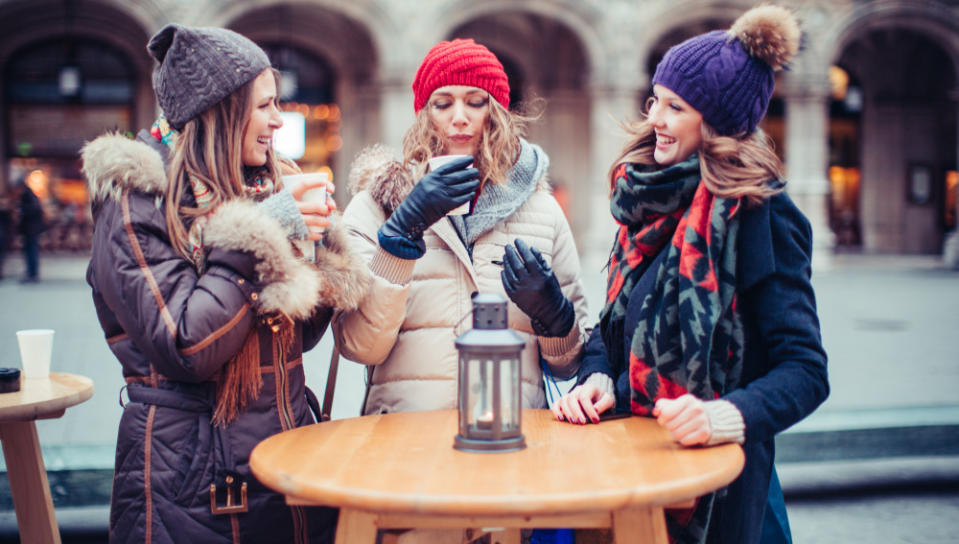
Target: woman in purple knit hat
x,y
710,322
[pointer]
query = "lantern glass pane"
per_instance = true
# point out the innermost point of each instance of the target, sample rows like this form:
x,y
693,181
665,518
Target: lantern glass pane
x,y
480,402
511,389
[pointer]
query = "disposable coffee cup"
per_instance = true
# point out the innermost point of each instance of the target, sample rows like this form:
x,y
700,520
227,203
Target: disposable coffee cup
x,y
318,194
440,160
36,346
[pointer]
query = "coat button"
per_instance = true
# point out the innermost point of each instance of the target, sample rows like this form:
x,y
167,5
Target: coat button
x,y
241,281
254,296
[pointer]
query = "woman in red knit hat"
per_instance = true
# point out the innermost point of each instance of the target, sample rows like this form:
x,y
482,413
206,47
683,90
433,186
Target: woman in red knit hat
x,y
426,264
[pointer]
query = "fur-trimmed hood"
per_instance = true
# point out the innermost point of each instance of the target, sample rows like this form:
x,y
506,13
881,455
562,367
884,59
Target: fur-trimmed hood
x,y
113,162
377,170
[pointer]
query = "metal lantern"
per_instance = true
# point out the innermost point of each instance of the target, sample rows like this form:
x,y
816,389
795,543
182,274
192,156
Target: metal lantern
x,y
490,398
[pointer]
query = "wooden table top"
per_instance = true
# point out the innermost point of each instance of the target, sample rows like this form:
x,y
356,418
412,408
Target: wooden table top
x,y
405,463
43,397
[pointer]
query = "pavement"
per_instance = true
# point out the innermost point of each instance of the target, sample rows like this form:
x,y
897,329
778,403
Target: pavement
x,y
878,462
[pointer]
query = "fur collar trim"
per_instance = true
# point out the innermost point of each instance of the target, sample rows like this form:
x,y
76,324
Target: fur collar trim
x,y
290,285
377,171
113,162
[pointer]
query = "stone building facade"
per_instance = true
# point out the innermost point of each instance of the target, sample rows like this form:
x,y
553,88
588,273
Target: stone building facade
x,y
866,118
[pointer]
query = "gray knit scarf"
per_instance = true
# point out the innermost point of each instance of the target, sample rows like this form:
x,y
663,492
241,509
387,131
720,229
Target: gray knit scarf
x,y
497,202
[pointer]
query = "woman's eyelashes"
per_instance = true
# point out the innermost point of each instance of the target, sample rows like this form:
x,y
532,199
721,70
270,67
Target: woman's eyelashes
x,y
473,103
478,103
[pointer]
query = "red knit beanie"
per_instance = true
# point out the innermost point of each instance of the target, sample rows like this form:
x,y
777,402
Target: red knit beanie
x,y
460,62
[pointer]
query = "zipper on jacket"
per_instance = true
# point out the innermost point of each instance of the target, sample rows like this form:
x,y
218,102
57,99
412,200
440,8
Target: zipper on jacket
x,y
282,404
300,529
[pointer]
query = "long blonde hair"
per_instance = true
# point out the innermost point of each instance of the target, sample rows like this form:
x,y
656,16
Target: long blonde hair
x,y
499,145
210,149
745,167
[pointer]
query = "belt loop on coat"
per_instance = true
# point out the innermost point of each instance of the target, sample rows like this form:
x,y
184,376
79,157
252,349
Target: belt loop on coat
x,y
120,395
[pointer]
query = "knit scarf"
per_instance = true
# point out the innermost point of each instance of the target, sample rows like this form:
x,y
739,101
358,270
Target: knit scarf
x,y
239,380
689,335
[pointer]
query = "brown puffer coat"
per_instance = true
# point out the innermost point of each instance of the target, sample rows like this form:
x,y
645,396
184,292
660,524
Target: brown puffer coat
x,y
173,330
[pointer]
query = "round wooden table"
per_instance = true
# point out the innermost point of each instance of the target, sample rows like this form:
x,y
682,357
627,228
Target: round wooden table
x,y
401,471
38,398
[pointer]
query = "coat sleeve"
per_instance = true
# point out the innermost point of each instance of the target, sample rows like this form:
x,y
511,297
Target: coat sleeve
x,y
595,359
367,334
563,355
783,307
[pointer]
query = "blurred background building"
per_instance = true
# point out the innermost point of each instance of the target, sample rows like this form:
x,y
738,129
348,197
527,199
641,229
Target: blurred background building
x,y
866,119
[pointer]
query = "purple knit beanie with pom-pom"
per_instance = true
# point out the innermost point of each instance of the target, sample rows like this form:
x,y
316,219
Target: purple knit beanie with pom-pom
x,y
728,75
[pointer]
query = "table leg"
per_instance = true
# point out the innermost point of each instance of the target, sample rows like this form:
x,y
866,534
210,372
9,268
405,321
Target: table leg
x,y
639,525
355,526
28,483
509,536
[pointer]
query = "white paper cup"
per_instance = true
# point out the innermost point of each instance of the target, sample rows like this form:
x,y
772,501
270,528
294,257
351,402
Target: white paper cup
x,y
36,345
440,160
318,194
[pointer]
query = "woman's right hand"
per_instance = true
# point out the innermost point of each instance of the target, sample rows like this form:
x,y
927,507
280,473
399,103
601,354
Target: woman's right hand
x,y
583,404
440,191
315,213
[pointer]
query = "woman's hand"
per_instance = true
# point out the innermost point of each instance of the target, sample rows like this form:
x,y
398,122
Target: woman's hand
x,y
440,191
531,285
685,418
316,212
583,404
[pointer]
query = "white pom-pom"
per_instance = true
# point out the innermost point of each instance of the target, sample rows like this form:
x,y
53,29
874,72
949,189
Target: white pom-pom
x,y
770,33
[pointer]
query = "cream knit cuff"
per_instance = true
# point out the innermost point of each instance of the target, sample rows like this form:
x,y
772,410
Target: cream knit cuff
x,y
602,382
726,422
391,268
555,346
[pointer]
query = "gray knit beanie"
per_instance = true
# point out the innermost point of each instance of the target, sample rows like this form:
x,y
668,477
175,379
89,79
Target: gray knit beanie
x,y
199,67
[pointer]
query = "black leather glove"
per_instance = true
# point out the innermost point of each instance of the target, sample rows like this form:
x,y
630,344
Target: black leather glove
x,y
531,285
437,193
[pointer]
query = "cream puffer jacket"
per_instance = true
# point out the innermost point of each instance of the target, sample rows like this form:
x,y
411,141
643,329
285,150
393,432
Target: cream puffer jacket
x,y
415,309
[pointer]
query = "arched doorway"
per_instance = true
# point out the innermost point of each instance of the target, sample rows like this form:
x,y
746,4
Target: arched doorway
x,y
545,59
59,93
906,140
311,117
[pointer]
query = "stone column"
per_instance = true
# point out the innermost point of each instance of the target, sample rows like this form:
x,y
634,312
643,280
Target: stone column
x,y
950,246
396,109
807,160
4,167
610,106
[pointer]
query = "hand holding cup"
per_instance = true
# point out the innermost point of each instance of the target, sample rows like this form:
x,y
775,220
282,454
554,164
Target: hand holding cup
x,y
440,160
311,192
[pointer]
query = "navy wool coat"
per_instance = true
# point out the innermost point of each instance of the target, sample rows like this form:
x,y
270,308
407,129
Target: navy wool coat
x,y
784,368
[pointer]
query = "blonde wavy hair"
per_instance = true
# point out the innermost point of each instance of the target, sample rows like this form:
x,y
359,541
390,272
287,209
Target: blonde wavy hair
x,y
210,149
744,167
499,145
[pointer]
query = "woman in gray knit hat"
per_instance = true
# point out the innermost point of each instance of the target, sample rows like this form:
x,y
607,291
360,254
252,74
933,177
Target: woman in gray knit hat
x,y
710,322
206,300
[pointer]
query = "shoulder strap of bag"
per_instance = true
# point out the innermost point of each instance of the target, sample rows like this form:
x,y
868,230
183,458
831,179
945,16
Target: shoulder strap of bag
x,y
327,409
369,384
330,385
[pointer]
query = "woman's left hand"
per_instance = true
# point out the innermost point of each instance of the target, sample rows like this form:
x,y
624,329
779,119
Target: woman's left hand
x,y
315,213
685,418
